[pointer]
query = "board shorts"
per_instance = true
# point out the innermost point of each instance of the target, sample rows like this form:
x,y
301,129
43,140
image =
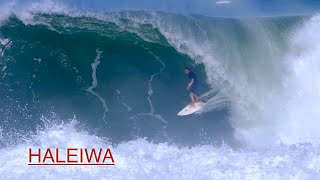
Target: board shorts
x,y
193,89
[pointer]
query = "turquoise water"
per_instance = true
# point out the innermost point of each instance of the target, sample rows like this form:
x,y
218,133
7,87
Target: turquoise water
x,y
116,79
52,66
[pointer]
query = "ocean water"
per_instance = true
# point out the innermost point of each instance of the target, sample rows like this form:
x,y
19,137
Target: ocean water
x,y
116,79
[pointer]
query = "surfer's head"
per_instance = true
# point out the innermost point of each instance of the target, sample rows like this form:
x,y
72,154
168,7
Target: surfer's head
x,y
187,70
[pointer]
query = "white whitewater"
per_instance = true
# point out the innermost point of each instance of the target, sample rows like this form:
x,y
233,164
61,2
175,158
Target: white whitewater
x,y
141,159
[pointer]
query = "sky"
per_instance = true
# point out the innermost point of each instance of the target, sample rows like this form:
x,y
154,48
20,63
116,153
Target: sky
x,y
207,7
202,7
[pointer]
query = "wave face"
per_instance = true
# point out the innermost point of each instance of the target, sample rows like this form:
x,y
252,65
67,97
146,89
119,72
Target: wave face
x,y
119,77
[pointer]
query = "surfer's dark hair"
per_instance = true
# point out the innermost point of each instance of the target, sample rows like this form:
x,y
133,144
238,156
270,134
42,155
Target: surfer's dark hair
x,y
187,68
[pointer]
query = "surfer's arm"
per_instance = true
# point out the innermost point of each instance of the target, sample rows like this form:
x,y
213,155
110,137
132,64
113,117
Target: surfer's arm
x,y
190,84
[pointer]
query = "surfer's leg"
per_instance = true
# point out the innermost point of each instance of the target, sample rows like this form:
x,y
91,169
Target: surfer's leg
x,y
196,97
193,90
192,99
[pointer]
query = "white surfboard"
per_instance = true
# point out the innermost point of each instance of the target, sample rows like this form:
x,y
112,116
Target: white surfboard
x,y
190,110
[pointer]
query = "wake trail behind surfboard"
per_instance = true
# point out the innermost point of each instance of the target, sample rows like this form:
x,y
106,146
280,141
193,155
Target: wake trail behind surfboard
x,y
214,99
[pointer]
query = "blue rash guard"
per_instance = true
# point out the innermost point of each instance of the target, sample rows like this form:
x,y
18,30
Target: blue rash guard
x,y
194,86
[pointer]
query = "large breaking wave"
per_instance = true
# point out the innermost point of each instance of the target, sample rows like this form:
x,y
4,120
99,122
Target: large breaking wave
x,y
120,76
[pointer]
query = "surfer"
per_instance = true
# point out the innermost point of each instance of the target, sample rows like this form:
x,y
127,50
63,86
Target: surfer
x,y
192,86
